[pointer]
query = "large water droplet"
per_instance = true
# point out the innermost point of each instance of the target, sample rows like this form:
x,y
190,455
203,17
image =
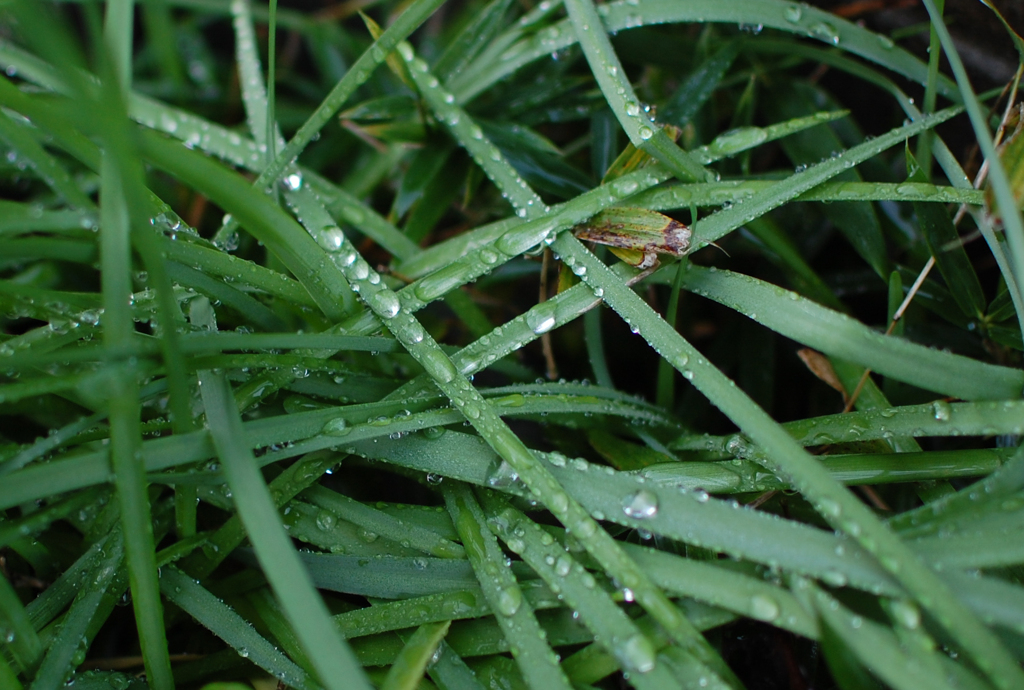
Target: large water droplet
x,y
636,654
504,475
942,411
764,608
640,505
331,239
541,318
509,601
386,304
438,365
337,427
325,520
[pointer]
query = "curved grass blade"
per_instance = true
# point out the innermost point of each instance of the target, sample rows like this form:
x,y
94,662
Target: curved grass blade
x,y
432,608
841,336
410,665
72,635
304,608
226,624
795,18
840,508
536,661
611,627
726,220
382,524
1012,221
23,643
618,92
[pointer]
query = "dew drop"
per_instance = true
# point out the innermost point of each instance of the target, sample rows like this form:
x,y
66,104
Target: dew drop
x,y
541,319
386,304
337,427
640,505
942,411
763,607
509,601
636,654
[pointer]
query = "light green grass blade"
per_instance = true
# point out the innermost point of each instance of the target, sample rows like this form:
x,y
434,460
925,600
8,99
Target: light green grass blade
x,y
784,456
303,606
226,624
537,663
408,669
841,336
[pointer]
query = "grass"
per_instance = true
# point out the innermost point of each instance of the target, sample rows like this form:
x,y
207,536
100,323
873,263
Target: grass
x,y
270,410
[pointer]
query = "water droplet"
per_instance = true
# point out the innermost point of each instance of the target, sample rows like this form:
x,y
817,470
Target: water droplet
x,y
906,613
625,187
509,601
337,427
541,318
438,365
331,239
636,654
325,520
293,181
738,139
826,32
386,303
793,13
431,477
942,411
640,505
829,508
645,132
632,109
763,607
504,475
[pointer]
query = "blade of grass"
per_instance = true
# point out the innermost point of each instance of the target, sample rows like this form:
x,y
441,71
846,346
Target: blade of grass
x,y
226,624
71,641
726,220
21,639
618,92
840,508
536,661
839,335
612,628
1013,224
408,668
388,308
304,608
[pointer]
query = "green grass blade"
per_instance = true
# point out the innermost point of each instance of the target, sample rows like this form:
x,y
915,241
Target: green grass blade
x,y
841,336
21,639
536,661
785,457
303,606
226,624
1012,221
726,220
71,641
619,94
633,650
382,524
408,669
